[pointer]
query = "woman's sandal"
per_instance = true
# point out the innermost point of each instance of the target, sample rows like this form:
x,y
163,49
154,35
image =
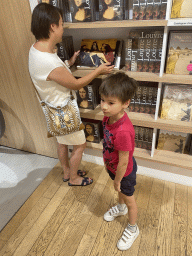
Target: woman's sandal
x,y
84,182
79,172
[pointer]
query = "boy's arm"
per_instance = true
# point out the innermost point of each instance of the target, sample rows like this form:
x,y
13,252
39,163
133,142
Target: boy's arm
x,y
121,169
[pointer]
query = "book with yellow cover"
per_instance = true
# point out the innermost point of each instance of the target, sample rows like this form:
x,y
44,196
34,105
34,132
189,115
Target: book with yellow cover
x,y
181,9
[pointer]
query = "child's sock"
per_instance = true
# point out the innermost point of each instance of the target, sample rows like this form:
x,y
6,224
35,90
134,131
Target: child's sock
x,y
132,228
121,207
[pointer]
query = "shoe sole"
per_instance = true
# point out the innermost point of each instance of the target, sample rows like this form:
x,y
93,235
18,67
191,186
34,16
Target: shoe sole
x,y
112,218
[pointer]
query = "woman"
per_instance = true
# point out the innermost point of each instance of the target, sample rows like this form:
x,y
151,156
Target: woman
x,y
54,80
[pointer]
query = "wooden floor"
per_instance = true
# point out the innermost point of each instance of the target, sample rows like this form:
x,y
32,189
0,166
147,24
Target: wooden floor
x,y
61,220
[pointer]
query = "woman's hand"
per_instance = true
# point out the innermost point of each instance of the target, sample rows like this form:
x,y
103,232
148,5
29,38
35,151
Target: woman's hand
x,y
105,68
73,58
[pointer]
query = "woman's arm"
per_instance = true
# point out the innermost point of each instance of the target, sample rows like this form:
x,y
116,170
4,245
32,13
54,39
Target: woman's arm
x,y
63,77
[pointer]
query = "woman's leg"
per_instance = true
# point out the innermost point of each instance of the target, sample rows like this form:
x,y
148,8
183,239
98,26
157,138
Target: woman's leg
x,y
75,161
62,151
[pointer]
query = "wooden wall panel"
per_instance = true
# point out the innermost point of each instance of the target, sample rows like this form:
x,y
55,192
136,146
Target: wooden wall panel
x,y
25,124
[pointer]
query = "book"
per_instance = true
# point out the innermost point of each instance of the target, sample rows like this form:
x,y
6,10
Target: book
x,y
136,9
140,137
138,95
177,103
145,137
163,9
92,130
136,128
65,49
143,50
179,55
150,138
171,141
143,100
181,9
87,97
111,10
142,9
93,53
82,10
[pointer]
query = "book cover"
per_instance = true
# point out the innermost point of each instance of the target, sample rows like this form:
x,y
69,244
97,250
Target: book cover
x,y
67,17
179,55
171,141
181,9
86,97
111,10
177,103
65,49
92,130
93,53
82,10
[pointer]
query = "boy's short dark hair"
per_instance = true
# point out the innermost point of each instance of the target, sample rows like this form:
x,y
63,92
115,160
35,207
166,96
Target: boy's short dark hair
x,y
43,16
118,85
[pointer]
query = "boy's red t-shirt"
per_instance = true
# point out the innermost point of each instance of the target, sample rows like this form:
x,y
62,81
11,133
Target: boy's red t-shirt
x,y
119,136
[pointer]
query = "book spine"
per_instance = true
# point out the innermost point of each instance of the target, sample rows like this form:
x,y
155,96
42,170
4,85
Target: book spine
x,y
138,99
134,54
156,9
132,104
154,100
153,55
145,137
141,50
159,55
150,138
128,54
147,54
140,137
149,10
142,9
143,100
149,100
163,9
136,9
136,135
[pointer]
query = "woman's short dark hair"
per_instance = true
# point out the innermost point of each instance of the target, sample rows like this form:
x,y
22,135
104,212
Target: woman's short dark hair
x,y
43,16
118,85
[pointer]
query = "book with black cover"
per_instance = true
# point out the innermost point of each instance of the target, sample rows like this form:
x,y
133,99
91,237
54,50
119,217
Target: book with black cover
x,y
181,9
92,130
179,57
93,53
111,10
83,10
65,48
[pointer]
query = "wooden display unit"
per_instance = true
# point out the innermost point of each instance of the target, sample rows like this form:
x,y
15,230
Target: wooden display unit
x,y
139,119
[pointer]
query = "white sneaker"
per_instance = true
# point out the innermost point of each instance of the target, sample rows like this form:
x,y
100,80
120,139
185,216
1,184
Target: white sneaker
x,y
127,239
114,212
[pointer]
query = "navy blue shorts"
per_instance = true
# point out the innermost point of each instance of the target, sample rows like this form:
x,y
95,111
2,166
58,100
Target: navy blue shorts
x,y
127,183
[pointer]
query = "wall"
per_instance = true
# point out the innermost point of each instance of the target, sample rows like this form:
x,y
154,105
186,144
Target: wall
x,y
24,119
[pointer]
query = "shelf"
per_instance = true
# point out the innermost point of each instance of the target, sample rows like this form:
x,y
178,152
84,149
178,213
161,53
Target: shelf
x,y
141,119
160,156
116,24
143,76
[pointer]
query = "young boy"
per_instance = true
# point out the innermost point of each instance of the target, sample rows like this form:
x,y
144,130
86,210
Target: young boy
x,y
116,92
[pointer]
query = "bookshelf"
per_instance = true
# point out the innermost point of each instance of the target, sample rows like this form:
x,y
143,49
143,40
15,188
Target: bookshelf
x,y
139,119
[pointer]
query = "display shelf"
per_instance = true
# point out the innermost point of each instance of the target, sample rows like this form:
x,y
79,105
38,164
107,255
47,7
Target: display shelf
x,y
143,76
141,119
116,24
160,156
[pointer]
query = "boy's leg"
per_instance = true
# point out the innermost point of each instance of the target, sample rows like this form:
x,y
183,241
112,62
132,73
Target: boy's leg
x,y
131,232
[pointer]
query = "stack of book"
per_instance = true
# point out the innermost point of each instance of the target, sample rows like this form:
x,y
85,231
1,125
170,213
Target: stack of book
x,y
149,9
179,57
143,137
177,103
143,50
92,130
93,53
145,98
